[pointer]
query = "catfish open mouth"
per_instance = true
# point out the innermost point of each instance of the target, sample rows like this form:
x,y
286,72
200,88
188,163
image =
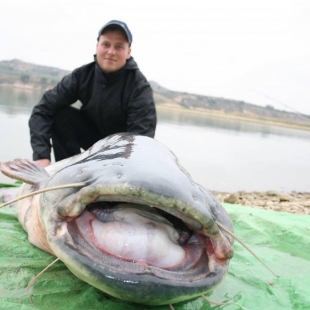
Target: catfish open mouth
x,y
138,245
124,236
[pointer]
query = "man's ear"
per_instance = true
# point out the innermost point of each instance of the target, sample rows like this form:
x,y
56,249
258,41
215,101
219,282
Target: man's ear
x,y
129,53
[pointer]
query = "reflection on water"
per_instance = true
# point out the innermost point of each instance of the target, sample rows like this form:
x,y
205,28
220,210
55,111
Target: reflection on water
x,y
202,120
220,154
18,100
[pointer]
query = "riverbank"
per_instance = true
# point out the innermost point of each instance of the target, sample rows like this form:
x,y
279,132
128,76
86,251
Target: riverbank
x,y
28,86
219,114
173,106
294,202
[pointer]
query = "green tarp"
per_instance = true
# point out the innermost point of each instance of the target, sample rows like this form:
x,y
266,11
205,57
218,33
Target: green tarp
x,y
282,240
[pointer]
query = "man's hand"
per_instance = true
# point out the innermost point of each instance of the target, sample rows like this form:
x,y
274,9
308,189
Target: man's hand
x,y
43,162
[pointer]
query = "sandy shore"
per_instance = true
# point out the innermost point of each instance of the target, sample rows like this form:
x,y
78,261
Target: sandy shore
x,y
294,202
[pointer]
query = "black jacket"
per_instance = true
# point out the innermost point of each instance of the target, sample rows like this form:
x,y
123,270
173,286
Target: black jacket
x,y
121,101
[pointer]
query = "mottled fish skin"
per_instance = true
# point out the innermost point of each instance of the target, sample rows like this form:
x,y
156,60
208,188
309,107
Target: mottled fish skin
x,y
127,171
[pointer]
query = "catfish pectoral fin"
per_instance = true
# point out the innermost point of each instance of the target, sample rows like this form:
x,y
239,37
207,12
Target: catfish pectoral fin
x,y
24,170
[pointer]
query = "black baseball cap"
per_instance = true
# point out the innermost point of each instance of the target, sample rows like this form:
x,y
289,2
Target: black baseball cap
x,y
119,23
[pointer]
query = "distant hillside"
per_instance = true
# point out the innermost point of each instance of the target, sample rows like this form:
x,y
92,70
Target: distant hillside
x,y
17,73
223,106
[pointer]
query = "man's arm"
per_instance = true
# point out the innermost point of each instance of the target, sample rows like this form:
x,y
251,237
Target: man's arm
x,y
41,119
141,117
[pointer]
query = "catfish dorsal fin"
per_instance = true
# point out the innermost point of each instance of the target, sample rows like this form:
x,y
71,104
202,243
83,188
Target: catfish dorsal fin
x,y
24,170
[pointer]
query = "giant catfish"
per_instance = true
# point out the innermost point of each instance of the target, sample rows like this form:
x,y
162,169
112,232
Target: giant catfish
x,y
136,227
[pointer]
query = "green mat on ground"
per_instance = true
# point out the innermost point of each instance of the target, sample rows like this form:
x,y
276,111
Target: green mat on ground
x,y
282,240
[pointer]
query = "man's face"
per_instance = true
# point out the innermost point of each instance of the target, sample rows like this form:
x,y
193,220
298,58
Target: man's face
x,y
112,51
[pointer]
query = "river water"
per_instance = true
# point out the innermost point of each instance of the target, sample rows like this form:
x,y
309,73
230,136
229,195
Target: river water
x,y
220,154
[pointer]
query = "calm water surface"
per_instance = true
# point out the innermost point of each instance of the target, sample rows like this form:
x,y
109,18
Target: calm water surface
x,y
224,155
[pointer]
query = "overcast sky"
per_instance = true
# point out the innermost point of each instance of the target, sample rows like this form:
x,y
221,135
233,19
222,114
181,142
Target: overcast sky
x,y
254,50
